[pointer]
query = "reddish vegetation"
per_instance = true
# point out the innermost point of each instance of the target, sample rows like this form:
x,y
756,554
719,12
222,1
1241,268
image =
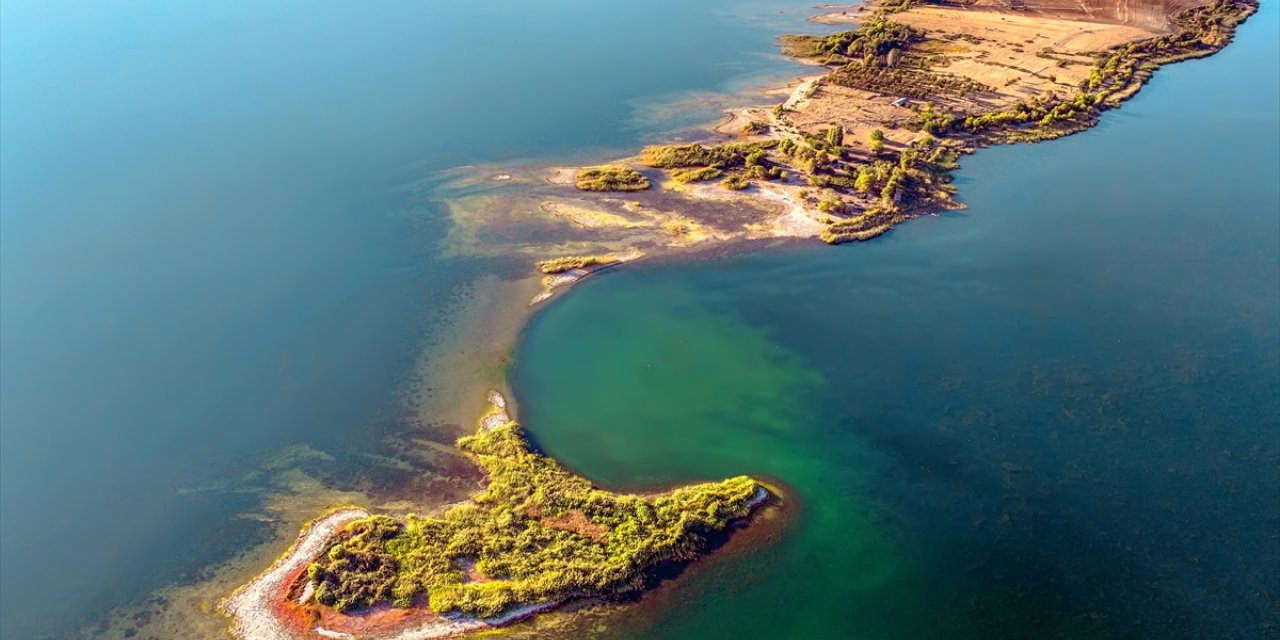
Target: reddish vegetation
x,y
286,608
303,618
472,572
577,522
379,619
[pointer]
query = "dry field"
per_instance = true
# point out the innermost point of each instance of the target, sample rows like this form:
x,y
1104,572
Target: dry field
x,y
1041,49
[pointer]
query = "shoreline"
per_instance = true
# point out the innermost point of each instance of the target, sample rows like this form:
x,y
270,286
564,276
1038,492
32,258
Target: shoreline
x,y
796,208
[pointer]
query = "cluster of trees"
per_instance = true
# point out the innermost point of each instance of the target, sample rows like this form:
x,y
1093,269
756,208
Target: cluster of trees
x,y
696,163
1049,113
764,172
871,75
1081,109
921,172
611,178
815,153
933,122
721,156
895,6
833,205
876,37
510,532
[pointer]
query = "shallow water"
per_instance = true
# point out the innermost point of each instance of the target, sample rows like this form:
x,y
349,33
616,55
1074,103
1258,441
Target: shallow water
x,y
1053,415
222,248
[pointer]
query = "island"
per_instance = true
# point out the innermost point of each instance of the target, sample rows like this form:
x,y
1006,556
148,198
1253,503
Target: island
x,y
867,142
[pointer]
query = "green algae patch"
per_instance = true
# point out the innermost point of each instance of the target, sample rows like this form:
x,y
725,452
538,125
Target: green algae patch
x,y
536,534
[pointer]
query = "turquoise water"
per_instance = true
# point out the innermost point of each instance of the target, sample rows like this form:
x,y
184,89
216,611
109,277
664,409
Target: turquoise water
x,y
1055,414
220,240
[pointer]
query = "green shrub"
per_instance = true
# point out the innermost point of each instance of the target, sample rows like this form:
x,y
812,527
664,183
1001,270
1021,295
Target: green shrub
x,y
695,155
611,178
695,175
877,37
833,205
560,265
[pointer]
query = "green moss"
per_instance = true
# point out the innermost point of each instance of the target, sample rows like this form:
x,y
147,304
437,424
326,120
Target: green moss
x,y
611,178
537,533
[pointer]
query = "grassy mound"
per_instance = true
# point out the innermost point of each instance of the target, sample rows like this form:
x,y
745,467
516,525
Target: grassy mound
x,y
611,178
697,174
536,534
679,156
567,263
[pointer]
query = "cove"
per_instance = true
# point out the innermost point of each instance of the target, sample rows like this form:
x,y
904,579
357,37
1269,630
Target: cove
x,y
1055,414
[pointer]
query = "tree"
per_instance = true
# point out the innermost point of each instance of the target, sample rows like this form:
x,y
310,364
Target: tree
x,y
908,158
835,136
865,182
829,205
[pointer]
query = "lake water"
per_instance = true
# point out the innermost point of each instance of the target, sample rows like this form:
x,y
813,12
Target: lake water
x,y
222,251
1053,415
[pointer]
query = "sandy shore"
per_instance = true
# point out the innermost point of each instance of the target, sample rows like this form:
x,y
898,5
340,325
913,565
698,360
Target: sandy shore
x,y
250,606
795,220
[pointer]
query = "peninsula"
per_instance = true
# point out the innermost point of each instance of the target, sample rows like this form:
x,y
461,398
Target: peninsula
x,y
870,140
537,536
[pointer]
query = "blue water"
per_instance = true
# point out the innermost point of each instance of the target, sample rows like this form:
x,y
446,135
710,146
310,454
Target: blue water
x,y
1055,414
218,239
